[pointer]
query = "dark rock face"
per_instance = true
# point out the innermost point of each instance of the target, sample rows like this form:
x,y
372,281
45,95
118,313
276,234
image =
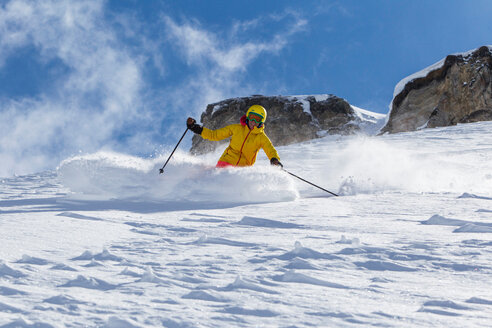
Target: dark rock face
x,y
289,119
459,91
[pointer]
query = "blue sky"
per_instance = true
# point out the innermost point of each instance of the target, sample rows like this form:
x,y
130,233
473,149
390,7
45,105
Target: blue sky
x,y
81,76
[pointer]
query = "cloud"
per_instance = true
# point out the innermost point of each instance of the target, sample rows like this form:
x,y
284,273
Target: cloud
x,y
220,59
228,51
87,105
12,30
338,8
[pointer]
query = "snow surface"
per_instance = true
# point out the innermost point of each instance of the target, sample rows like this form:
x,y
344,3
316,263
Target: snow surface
x,y
106,241
370,122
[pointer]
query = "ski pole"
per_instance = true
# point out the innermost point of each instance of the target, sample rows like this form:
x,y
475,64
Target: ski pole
x,y
161,170
312,184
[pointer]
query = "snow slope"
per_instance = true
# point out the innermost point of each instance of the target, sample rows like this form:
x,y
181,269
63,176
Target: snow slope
x,y
106,241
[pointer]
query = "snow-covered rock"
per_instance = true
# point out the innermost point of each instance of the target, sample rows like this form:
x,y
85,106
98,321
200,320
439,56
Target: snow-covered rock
x,y
291,119
457,89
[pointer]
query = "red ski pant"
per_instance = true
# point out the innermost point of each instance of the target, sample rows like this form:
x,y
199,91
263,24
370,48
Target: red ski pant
x,y
222,164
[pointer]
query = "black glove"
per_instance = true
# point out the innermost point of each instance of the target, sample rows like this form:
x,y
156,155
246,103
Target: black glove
x,y
275,161
191,124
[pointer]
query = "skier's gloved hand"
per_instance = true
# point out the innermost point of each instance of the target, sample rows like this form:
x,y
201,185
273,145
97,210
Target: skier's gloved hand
x,y
190,121
191,124
276,162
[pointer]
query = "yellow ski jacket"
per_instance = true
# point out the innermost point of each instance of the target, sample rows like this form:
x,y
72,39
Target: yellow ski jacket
x,y
244,144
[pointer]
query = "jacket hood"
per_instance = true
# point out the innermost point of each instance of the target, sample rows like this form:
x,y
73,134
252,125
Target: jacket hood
x,y
256,130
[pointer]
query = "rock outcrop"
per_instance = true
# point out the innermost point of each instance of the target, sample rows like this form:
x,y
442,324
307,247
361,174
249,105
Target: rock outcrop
x,y
457,90
289,120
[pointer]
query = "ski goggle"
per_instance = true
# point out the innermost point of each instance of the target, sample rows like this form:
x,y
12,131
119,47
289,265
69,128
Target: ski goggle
x,y
255,117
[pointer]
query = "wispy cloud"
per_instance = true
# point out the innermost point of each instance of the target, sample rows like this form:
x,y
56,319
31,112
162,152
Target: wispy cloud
x,y
324,8
99,92
221,58
228,51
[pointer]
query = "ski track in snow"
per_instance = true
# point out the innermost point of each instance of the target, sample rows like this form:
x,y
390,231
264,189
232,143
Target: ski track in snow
x,y
369,258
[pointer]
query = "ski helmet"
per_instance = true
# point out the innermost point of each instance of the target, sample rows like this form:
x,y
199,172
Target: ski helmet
x,y
258,110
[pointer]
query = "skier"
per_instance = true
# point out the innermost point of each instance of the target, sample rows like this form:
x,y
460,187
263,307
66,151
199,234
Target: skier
x,y
246,139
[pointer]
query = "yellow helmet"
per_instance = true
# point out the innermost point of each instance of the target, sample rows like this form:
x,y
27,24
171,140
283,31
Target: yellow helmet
x,y
258,110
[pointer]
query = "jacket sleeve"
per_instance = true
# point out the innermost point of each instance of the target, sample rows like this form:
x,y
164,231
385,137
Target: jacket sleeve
x,y
268,148
216,135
